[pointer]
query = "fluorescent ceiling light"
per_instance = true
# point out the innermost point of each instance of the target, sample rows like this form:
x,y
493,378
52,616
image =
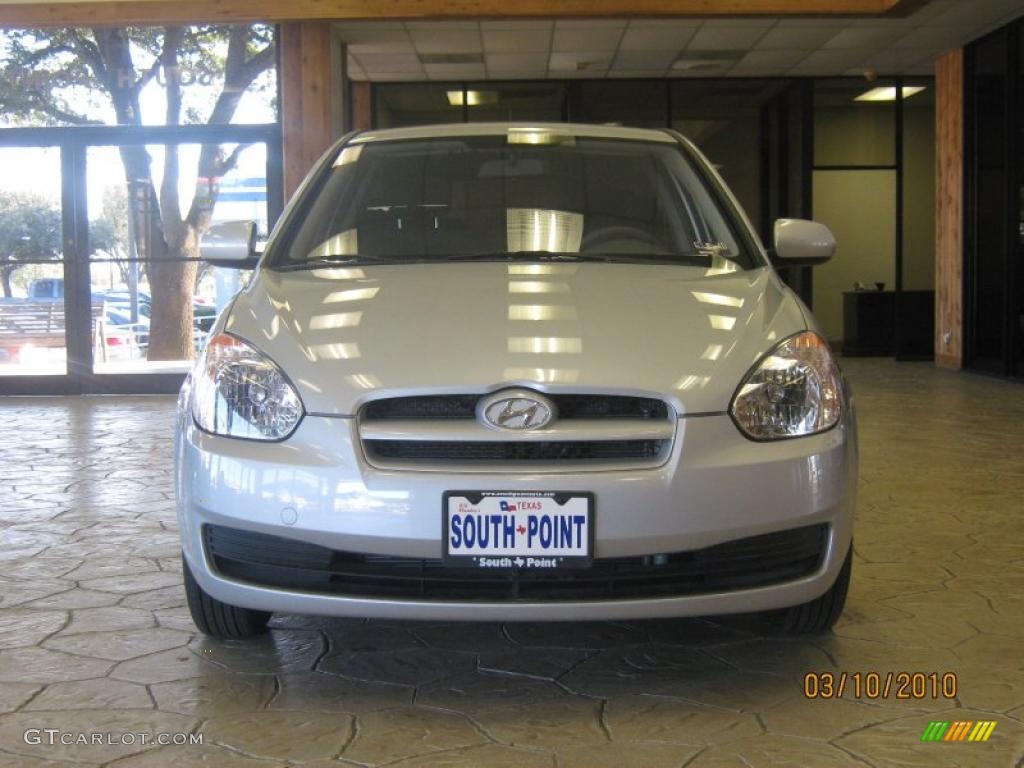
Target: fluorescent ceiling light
x,y
473,98
888,93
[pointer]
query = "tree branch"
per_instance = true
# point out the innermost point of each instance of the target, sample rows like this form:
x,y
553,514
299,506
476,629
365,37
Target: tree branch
x,y
260,63
89,51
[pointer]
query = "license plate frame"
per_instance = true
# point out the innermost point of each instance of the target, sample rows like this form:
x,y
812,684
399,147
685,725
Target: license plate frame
x,y
529,560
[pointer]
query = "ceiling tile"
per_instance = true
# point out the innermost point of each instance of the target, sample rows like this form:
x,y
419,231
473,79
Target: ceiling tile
x,y
517,74
592,24
447,41
797,37
572,74
512,41
864,37
354,69
569,61
932,9
455,71
677,24
829,62
710,38
743,22
892,61
439,25
647,60
977,12
345,26
496,61
386,62
377,40
396,77
504,25
925,67
636,73
659,39
774,60
586,39
940,38
698,73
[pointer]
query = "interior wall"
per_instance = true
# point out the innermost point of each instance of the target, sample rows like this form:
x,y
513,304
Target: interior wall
x,y
857,134
858,202
860,209
857,205
918,197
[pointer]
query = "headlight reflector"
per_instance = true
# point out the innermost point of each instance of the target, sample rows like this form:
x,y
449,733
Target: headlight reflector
x,y
793,391
238,391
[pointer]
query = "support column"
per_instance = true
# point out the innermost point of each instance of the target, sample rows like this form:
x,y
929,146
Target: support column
x,y
361,106
949,209
312,96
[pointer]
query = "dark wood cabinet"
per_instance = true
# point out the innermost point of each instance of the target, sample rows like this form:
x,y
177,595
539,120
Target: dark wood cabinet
x,y
874,326
869,321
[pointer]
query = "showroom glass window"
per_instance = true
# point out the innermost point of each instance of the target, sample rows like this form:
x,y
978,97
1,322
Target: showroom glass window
x,y
150,131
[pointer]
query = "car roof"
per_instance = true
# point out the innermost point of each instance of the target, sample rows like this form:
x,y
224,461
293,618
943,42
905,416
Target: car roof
x,y
500,129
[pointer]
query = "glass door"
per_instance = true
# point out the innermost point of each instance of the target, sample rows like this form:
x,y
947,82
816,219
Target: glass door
x,y
33,338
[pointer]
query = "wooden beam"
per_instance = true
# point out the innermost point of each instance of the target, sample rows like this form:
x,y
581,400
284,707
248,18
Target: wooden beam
x,y
139,12
306,96
949,208
362,113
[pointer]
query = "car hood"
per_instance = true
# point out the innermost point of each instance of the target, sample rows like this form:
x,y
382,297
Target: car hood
x,y
348,335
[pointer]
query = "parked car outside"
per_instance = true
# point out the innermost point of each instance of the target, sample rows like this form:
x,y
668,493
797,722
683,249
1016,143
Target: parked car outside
x,y
508,372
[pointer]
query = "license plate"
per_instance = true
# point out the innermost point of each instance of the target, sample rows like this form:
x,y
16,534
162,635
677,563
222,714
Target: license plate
x,y
518,530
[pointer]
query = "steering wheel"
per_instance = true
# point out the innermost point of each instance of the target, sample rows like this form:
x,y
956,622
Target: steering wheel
x,y
615,232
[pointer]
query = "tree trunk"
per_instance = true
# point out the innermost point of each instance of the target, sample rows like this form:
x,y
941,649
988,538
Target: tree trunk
x,y
170,322
163,234
5,281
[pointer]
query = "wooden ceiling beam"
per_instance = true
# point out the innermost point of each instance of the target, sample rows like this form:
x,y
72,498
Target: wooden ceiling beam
x,y
141,12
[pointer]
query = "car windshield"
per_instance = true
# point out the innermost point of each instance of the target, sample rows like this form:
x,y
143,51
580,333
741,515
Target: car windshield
x,y
531,196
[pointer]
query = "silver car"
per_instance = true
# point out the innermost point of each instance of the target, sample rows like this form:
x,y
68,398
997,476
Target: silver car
x,y
515,372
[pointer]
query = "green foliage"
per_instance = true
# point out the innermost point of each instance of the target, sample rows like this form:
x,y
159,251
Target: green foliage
x,y
30,227
67,76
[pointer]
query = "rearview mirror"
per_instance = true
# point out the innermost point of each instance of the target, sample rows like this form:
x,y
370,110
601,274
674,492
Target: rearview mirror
x,y
802,243
231,244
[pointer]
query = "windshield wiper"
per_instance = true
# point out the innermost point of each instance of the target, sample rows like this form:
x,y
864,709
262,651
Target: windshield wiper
x,y
698,258
331,261
521,256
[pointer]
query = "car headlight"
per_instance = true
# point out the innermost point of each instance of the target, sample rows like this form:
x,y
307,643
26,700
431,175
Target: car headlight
x,y
237,391
793,391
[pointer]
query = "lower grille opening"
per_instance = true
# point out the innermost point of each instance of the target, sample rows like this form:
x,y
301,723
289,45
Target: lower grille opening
x,y
756,561
534,450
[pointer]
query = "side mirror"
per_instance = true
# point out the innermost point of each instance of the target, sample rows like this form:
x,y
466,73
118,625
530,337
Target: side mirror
x,y
231,244
802,243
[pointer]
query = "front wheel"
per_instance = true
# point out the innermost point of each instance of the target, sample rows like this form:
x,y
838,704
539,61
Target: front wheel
x,y
217,619
820,614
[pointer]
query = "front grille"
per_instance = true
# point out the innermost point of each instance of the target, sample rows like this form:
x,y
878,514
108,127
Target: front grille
x,y
562,450
757,561
438,431
464,407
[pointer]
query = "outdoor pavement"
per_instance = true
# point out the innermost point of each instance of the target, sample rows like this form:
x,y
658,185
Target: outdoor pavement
x,y
95,638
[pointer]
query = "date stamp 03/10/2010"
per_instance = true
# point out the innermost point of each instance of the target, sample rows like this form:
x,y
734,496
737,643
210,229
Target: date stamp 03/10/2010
x,y
880,685
913,686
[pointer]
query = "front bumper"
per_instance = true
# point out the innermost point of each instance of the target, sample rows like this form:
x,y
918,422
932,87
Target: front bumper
x,y
715,487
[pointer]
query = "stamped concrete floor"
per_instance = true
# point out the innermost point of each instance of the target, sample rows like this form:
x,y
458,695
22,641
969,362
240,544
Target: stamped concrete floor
x,y
95,637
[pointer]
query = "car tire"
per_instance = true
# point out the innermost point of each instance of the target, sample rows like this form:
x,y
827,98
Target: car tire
x,y
820,614
217,619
